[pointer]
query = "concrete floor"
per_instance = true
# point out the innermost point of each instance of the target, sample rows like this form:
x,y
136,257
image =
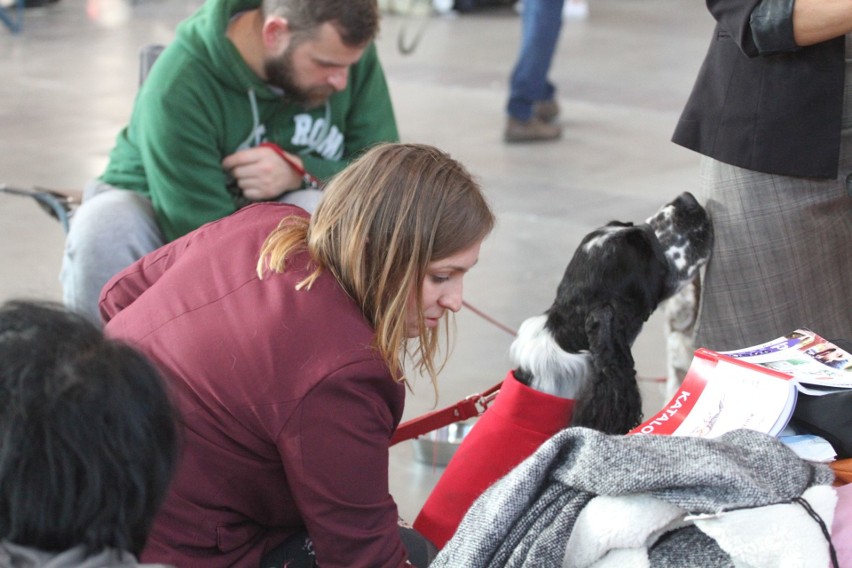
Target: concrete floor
x,y
67,82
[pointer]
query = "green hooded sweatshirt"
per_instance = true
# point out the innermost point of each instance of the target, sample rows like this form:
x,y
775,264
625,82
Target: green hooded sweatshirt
x,y
202,102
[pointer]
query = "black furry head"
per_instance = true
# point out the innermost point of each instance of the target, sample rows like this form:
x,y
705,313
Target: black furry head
x,y
617,277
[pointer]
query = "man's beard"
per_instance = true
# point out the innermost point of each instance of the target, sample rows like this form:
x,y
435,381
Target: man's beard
x,y
280,73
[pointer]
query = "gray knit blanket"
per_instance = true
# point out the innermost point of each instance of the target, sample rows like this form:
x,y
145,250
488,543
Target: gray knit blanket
x,y
526,519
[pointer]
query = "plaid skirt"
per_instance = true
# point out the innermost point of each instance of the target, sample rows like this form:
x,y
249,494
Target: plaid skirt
x,y
782,258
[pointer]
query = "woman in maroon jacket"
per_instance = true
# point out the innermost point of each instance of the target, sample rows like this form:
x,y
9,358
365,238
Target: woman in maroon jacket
x,y
283,338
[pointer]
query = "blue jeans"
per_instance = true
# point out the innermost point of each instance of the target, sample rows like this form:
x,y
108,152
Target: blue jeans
x,y
541,24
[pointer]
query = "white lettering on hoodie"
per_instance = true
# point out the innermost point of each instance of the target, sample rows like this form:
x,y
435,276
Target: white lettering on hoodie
x,y
318,136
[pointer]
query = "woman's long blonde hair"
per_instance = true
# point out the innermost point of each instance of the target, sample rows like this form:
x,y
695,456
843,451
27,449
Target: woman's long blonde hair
x,y
382,220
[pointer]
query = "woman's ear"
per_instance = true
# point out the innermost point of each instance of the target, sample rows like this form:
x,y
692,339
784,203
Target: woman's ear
x,y
276,34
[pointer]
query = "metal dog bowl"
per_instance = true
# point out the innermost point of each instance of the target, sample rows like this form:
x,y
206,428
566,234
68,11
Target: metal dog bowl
x,y
438,447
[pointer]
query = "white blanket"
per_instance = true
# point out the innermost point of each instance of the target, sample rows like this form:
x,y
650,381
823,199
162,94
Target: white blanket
x,y
618,531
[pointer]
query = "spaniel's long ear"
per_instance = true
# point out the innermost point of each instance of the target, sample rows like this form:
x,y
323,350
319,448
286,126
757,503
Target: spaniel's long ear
x,y
610,401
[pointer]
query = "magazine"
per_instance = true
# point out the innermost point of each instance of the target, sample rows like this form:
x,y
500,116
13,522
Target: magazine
x,y
755,387
720,394
817,365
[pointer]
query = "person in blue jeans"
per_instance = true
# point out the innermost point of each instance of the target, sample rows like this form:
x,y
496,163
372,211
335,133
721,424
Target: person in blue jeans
x,y
532,106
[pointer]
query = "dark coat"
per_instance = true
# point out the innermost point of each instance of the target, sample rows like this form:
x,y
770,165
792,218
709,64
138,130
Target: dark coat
x,y
762,103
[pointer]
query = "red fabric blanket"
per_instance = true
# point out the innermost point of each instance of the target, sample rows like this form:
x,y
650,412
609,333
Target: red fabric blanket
x,y
518,421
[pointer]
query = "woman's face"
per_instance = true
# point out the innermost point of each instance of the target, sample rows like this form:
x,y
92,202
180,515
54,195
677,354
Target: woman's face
x,y
442,288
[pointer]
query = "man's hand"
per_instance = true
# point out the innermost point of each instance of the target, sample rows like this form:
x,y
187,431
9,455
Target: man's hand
x,y
261,174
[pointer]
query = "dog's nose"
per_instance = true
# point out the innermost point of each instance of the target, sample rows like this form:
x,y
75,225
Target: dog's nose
x,y
686,199
682,215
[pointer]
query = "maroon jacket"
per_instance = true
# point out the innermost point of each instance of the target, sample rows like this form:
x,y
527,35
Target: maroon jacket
x,y
287,411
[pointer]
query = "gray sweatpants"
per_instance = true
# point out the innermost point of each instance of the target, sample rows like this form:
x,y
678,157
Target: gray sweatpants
x,y
112,229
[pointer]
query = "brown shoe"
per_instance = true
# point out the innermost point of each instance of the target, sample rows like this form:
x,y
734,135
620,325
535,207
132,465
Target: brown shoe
x,y
532,130
546,111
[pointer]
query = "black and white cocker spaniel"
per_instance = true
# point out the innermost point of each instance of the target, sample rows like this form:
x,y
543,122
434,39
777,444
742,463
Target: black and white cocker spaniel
x,y
581,346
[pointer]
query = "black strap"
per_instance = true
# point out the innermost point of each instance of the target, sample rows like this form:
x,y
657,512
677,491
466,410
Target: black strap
x,y
821,523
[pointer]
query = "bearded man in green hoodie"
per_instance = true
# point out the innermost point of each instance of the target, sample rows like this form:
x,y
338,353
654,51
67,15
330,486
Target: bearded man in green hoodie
x,y
253,100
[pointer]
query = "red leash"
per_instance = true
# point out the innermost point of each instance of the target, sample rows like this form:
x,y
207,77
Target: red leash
x,y
307,179
489,319
470,407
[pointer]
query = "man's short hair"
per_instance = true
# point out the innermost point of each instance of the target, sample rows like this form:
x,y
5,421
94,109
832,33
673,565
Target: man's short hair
x,y
357,21
87,434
